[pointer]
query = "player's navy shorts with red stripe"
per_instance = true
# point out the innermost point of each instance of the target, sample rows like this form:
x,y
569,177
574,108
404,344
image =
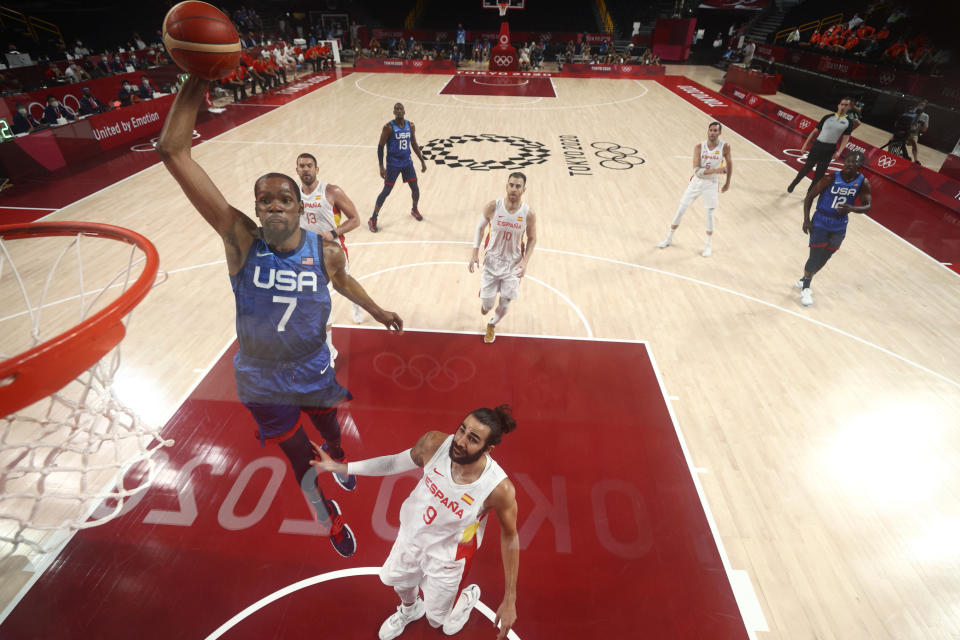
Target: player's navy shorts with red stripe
x,y
407,170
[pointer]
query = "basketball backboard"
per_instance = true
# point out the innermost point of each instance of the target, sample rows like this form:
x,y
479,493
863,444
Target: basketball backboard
x,y
511,4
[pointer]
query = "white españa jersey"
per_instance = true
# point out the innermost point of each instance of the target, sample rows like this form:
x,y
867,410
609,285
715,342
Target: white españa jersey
x,y
447,519
505,241
319,214
711,159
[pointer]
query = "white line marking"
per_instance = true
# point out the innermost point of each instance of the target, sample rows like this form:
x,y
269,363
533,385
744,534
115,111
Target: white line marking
x,y
748,602
674,397
356,83
512,104
301,144
309,582
724,559
261,104
51,209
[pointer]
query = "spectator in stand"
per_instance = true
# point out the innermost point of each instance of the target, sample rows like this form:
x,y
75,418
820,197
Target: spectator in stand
x,y
127,95
145,90
524,57
75,73
897,52
477,52
794,36
748,50
249,41
138,42
23,122
815,38
855,21
91,104
54,75
921,122
56,113
265,71
80,51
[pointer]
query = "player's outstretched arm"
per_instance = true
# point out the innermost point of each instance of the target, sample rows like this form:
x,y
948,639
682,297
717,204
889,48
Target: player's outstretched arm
x,y
236,229
814,191
416,147
347,209
381,466
478,234
503,500
531,242
347,286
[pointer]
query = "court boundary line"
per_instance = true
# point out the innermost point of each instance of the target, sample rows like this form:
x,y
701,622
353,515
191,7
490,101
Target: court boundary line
x,y
783,162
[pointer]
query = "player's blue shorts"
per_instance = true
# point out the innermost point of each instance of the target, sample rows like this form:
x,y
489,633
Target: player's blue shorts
x,y
820,237
275,420
409,173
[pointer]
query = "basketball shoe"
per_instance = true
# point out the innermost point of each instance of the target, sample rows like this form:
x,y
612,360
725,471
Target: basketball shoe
x,y
341,535
458,617
490,335
806,297
416,215
798,284
347,483
395,624
372,225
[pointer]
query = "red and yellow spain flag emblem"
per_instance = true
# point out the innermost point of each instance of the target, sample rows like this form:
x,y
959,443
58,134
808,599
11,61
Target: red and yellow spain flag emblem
x,y
467,498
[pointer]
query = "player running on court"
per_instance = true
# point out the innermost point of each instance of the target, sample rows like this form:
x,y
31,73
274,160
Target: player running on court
x,y
442,522
329,213
836,195
279,274
506,256
711,159
399,136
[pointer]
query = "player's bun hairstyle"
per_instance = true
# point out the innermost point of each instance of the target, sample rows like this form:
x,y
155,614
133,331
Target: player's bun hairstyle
x,y
307,155
500,421
274,174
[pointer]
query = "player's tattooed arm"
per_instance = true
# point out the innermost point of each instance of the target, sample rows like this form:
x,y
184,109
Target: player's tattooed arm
x,y
347,286
503,500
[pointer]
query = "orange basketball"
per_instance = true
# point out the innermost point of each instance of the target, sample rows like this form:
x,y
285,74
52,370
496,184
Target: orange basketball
x,y
201,40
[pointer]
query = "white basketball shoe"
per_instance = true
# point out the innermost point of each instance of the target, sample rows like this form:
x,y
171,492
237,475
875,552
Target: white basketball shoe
x,y
806,297
395,624
458,617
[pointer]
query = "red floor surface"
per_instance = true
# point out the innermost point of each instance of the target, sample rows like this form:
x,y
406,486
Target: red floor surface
x,y
615,543
490,85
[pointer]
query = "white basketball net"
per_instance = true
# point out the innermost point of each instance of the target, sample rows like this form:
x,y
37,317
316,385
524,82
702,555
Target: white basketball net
x,y
64,456
503,6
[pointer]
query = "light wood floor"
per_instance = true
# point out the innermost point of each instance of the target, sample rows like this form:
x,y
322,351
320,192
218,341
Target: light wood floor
x,y
827,436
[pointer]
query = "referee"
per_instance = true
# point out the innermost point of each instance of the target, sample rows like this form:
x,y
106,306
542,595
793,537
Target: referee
x,y
831,128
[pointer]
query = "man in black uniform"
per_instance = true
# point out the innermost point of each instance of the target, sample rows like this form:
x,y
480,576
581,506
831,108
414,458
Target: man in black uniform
x,y
833,127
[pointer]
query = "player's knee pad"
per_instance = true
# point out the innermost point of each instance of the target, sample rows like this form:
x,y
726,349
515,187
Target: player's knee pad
x,y
710,220
678,216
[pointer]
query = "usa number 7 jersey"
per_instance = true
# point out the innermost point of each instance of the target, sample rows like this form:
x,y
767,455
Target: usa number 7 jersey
x,y
839,192
446,518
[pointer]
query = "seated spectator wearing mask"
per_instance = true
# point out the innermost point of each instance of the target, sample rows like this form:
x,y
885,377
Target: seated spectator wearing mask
x,y
75,73
127,94
56,113
23,122
90,104
145,90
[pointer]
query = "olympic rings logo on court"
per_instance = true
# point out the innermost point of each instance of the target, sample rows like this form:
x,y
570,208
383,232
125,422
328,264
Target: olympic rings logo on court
x,y
424,369
440,150
886,161
804,124
502,61
616,156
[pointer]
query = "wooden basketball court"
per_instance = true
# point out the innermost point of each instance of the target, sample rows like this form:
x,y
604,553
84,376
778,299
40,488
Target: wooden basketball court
x,y
824,438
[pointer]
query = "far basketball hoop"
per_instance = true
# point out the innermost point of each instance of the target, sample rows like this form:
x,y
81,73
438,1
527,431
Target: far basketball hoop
x,y
502,5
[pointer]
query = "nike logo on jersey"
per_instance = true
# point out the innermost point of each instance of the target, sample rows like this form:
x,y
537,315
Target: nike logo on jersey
x,y
324,370
268,253
438,473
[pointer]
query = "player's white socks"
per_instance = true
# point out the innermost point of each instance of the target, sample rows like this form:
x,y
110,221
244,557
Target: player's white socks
x,y
666,242
708,248
407,594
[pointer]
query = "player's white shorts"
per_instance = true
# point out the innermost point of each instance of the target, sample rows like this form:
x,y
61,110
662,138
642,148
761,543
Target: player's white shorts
x,y
497,277
408,566
708,189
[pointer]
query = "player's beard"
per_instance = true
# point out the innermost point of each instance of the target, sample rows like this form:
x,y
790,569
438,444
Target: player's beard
x,y
467,458
276,235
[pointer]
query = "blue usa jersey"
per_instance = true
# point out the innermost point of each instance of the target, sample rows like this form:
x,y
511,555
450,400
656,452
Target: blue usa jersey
x,y
839,192
282,310
398,144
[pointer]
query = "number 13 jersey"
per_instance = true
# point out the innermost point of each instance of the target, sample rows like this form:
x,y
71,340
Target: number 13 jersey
x,y
442,517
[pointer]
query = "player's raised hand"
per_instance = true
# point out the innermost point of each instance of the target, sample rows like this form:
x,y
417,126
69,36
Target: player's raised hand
x,y
326,463
506,617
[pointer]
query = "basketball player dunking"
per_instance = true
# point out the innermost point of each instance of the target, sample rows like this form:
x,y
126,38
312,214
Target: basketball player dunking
x,y
506,255
399,136
329,213
279,273
711,159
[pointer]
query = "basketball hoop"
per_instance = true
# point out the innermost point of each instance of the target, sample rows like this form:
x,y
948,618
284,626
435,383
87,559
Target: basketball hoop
x,y
503,6
66,440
